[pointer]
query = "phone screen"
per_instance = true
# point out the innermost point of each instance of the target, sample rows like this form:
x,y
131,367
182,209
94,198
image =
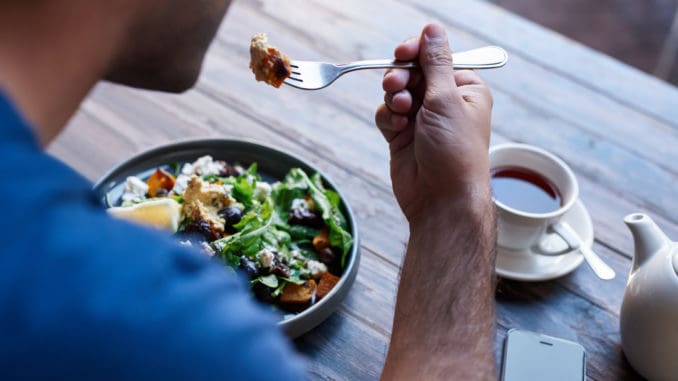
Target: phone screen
x,y
533,356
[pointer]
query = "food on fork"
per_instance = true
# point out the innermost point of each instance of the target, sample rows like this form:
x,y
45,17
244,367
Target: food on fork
x,y
267,63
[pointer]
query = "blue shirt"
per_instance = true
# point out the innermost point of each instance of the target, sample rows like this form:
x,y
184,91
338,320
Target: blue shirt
x,y
84,296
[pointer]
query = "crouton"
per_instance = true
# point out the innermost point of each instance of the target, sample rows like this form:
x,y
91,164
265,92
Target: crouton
x,y
298,294
322,240
326,284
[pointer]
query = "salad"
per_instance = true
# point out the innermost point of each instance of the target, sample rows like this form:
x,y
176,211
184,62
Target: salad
x,y
289,237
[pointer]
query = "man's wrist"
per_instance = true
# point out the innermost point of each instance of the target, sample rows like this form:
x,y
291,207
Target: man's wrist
x,y
474,207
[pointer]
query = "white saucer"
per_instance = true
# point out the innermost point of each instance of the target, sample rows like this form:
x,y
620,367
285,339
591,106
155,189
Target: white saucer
x,y
530,266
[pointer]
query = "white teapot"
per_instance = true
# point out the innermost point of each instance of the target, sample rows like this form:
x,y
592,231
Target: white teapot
x,y
649,312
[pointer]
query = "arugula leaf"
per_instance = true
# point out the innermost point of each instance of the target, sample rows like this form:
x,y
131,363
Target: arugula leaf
x,y
279,290
270,280
243,185
243,191
301,232
248,241
176,168
331,214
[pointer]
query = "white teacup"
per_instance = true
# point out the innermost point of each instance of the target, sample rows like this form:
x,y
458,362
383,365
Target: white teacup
x,y
523,231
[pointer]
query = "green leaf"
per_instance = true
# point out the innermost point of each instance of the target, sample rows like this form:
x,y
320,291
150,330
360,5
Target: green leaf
x,y
248,241
279,290
243,191
268,280
296,281
301,232
331,214
176,168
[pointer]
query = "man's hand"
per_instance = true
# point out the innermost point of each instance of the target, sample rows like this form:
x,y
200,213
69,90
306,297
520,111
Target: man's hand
x,y
437,122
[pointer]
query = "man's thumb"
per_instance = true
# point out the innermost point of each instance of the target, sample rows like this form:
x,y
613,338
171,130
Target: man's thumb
x,y
435,58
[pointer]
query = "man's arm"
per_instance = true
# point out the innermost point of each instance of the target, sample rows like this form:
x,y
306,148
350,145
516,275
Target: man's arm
x,y
444,317
437,123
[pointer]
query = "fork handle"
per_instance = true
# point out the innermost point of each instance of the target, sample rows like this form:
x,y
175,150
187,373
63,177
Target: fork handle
x,y
488,57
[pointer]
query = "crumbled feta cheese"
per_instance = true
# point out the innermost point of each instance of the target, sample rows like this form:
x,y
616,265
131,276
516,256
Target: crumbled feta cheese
x,y
228,188
316,268
265,258
187,169
300,206
186,243
135,190
235,204
207,166
181,183
261,190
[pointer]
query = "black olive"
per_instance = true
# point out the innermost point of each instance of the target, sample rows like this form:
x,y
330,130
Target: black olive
x,y
201,227
304,217
249,266
280,269
237,170
326,256
231,217
262,292
229,170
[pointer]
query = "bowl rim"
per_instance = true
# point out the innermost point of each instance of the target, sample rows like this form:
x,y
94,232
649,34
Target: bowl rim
x,y
345,280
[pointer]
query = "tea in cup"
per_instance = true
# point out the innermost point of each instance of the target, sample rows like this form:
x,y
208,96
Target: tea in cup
x,y
532,190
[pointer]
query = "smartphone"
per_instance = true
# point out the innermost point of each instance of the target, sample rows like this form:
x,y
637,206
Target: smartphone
x,y
533,356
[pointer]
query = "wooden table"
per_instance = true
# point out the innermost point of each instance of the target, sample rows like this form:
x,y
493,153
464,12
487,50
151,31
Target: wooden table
x,y
616,127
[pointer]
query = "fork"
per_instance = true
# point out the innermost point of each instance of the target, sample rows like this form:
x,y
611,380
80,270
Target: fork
x,y
313,75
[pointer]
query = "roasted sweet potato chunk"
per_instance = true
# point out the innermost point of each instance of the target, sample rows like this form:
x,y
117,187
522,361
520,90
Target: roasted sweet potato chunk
x,y
322,240
326,284
159,180
298,294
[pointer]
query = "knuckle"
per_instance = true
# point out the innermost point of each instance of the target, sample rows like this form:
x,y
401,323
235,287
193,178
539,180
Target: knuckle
x,y
440,100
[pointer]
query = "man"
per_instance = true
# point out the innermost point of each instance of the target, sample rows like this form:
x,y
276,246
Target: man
x,y
83,296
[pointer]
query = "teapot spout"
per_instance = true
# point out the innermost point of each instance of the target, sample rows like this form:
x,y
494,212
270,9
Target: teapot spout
x,y
647,237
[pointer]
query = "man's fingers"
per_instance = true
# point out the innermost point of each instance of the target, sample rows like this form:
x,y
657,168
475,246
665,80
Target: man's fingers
x,y
395,80
389,123
407,50
400,102
435,58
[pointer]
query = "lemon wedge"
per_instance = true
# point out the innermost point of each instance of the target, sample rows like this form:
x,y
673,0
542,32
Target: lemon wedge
x,y
162,214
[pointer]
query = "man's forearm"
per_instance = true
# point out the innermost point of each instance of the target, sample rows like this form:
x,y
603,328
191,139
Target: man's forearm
x,y
444,319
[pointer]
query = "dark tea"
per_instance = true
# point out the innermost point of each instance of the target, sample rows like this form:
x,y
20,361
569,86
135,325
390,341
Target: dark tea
x,y
525,190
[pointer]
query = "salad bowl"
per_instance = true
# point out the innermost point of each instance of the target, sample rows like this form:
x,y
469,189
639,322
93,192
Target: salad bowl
x,y
273,165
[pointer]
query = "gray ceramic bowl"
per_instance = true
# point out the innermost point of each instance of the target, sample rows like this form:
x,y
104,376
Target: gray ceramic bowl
x,y
273,165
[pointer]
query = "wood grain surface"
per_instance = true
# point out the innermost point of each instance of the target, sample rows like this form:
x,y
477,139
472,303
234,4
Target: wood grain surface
x,y
616,127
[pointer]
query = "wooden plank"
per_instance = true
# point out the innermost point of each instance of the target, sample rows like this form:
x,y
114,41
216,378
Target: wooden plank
x,y
521,78
569,59
342,348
